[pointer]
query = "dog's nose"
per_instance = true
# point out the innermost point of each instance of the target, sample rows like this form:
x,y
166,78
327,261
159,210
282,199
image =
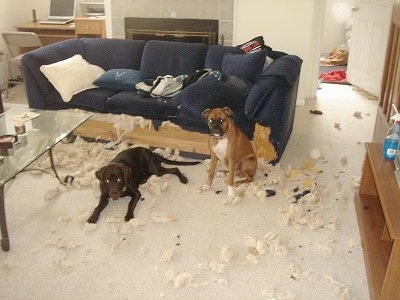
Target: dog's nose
x,y
114,195
216,130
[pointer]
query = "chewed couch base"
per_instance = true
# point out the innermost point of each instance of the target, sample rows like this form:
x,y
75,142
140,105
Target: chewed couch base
x,y
137,130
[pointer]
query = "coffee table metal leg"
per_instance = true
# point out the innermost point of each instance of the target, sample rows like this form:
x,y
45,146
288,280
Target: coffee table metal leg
x,y
54,167
67,179
5,244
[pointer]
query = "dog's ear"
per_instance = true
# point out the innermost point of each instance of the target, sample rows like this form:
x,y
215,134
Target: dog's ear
x,y
228,112
100,173
127,172
205,113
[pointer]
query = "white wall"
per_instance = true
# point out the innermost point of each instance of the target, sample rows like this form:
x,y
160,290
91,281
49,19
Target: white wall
x,y
337,12
287,25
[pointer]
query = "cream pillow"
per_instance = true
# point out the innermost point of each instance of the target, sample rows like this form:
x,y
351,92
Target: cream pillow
x,y
72,76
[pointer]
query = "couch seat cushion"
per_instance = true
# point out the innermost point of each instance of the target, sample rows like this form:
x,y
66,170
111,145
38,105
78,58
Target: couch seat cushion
x,y
131,103
209,92
91,100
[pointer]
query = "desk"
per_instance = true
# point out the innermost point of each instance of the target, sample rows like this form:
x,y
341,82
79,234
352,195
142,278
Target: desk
x,y
378,212
49,33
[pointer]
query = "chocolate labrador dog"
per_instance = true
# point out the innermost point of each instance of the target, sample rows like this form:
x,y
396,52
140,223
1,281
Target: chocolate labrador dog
x,y
129,169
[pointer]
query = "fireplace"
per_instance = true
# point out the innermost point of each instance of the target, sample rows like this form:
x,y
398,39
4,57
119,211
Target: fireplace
x,y
182,30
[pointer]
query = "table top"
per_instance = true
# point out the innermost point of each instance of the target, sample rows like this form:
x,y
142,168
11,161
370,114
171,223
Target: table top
x,y
38,26
42,133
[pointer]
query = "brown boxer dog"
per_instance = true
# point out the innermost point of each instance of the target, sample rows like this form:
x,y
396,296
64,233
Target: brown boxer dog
x,y
229,144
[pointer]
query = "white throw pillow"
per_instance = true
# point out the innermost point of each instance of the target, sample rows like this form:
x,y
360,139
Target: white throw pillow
x,y
72,76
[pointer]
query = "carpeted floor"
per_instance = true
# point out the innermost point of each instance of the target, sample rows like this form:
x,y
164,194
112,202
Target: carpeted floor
x,y
187,244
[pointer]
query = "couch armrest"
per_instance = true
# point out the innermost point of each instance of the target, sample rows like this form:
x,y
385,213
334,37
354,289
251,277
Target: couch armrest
x,y
33,93
37,85
272,100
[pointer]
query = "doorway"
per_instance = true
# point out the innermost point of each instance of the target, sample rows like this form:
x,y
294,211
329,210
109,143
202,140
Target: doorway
x,y
335,44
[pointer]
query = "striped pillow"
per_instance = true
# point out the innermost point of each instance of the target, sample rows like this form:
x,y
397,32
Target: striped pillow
x,y
254,45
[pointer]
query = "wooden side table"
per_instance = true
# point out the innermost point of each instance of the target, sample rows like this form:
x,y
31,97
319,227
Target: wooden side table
x,y
378,212
90,27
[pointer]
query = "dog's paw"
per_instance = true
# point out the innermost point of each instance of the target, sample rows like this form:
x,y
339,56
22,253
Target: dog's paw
x,y
205,187
183,179
128,217
231,195
93,219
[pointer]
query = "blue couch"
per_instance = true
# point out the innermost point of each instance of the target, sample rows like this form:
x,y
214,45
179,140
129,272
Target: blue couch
x,y
257,94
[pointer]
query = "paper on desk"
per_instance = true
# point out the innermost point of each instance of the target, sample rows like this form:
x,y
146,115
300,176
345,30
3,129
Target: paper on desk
x,y
23,117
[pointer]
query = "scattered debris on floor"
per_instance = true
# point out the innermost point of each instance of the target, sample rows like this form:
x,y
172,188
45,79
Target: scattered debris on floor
x,y
316,112
337,125
302,206
357,114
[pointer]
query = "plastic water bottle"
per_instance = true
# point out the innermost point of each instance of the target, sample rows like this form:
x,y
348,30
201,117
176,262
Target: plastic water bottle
x,y
391,142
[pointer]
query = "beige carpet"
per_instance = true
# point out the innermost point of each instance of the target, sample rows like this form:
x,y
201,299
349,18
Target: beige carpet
x,y
187,244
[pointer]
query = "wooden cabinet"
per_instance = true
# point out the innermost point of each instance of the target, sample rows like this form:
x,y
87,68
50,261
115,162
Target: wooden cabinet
x,y
378,212
90,27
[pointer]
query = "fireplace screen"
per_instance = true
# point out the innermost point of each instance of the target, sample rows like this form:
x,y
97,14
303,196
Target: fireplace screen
x,y
178,36
182,30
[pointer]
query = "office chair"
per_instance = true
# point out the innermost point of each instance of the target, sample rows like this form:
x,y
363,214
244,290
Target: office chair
x,y
18,42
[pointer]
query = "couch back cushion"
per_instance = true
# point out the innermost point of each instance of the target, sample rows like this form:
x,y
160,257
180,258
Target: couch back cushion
x,y
113,53
172,58
215,55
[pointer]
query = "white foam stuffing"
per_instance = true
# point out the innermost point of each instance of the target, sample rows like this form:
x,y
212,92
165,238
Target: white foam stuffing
x,y
167,252
156,185
160,217
297,273
51,194
62,243
226,254
270,293
315,154
179,277
61,261
136,222
90,227
341,291
269,243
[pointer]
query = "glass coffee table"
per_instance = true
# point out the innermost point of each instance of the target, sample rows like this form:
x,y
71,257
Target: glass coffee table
x,y
43,130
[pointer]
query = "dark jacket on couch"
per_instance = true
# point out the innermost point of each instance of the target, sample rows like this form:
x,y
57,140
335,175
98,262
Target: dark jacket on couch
x,y
266,96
